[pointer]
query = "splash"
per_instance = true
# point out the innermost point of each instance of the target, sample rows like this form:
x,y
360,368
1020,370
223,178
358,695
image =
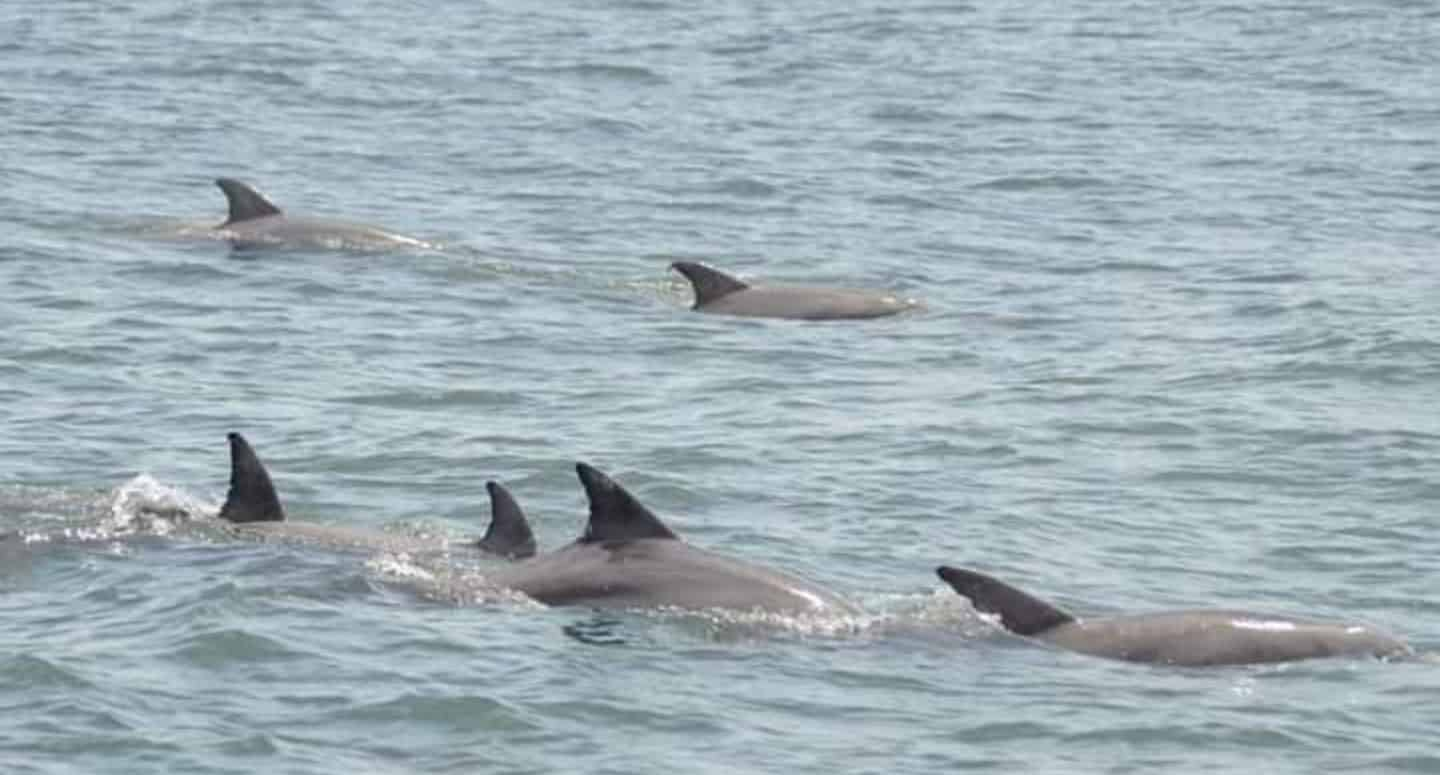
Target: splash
x,y
140,506
144,505
438,579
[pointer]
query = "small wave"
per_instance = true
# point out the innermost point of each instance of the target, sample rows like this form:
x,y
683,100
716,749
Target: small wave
x,y
27,671
615,126
907,202
1040,183
446,400
229,72
900,113
218,648
749,188
633,74
1271,278
462,713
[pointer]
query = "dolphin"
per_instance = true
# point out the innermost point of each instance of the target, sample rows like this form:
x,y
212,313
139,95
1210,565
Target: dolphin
x,y
1189,638
255,222
628,558
252,510
721,294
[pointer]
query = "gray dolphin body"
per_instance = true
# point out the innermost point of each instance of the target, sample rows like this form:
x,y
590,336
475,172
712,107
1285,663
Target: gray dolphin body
x,y
1190,638
255,222
252,510
721,294
628,558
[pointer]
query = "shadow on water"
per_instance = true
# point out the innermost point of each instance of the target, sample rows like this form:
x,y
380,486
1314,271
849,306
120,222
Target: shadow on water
x,y
598,630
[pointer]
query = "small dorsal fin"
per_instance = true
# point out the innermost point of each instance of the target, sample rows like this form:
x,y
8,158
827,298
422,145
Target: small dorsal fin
x,y
252,497
710,284
1019,612
509,534
245,202
614,512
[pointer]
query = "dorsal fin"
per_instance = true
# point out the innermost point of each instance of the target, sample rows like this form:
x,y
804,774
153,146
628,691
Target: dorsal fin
x,y
614,512
509,533
710,284
245,202
252,497
1019,612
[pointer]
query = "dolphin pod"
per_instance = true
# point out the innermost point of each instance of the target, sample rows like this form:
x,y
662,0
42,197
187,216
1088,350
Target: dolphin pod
x,y
1189,638
628,558
252,510
256,222
721,294
625,558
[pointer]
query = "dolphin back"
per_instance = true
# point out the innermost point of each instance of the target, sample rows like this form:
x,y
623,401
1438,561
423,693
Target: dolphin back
x,y
1019,612
1198,638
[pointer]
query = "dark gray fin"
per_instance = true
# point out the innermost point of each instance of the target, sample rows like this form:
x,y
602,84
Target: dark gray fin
x,y
1019,612
509,533
710,284
615,515
252,497
245,202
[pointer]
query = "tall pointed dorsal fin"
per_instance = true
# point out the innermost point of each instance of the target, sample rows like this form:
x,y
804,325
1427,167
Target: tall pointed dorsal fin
x,y
509,534
710,284
614,512
252,497
245,202
1019,612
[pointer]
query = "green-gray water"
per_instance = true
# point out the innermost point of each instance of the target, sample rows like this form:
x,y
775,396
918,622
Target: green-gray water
x,y
1181,349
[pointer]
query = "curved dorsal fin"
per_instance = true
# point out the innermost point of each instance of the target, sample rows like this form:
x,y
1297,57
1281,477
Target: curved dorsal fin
x,y
509,533
1019,612
614,512
245,202
252,497
710,284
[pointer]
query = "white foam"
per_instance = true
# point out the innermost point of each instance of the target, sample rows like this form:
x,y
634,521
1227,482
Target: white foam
x,y
399,567
145,505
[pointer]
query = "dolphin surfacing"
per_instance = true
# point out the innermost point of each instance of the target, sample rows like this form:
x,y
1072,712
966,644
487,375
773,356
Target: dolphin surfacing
x,y
255,221
628,558
721,294
1188,638
252,509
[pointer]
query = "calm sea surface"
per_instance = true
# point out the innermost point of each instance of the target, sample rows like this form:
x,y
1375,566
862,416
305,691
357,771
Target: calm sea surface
x,y
1182,348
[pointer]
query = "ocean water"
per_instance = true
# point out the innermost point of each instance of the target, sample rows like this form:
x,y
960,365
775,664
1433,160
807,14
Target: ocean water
x,y
1180,348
